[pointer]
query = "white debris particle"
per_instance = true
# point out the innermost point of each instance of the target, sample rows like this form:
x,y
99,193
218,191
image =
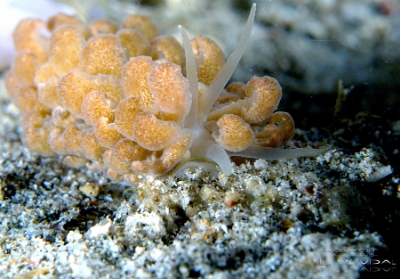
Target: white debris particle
x,y
90,190
139,250
81,270
379,174
260,164
149,223
101,228
74,236
157,254
62,257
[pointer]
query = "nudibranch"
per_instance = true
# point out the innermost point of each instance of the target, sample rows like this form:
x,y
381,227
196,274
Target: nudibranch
x,y
132,102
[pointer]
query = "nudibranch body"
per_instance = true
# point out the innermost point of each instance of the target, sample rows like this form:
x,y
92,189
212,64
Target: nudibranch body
x,y
133,102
